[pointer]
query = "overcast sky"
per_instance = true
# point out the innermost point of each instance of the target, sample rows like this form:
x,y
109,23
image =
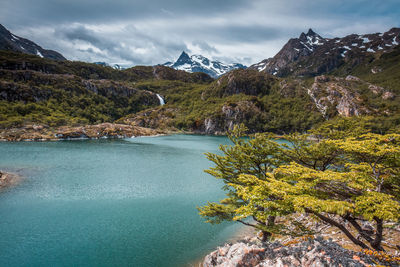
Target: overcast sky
x,y
148,32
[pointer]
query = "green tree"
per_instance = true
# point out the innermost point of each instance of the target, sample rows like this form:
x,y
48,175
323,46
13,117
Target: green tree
x,y
257,155
362,184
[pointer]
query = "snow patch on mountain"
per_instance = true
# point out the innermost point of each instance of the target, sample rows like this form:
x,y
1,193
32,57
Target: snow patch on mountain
x,y
325,54
39,54
199,63
114,66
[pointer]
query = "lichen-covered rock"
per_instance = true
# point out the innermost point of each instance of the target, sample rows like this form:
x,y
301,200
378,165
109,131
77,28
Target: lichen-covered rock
x,y
312,252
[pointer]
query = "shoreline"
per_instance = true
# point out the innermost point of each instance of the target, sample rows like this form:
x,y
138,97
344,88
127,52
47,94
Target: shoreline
x,y
107,130
40,133
245,233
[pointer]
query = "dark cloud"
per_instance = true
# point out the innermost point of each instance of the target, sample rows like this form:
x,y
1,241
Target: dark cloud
x,y
80,33
247,33
131,48
204,46
152,32
60,11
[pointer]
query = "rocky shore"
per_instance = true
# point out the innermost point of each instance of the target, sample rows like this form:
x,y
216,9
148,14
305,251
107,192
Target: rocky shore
x,y
8,179
302,252
103,130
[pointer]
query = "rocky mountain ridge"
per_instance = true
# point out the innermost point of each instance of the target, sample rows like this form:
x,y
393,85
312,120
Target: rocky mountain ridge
x,y
9,41
312,55
198,63
105,64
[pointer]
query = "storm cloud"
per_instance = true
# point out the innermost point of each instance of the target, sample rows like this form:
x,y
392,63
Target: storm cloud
x,y
138,32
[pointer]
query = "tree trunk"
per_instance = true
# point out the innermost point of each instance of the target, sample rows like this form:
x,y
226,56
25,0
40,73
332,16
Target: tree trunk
x,y
265,236
376,243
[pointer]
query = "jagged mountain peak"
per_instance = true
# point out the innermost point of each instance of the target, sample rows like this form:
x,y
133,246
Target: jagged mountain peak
x,y
3,29
183,58
311,32
199,63
311,38
9,41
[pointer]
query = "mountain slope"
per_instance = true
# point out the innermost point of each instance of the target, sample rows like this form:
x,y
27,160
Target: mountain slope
x,y
198,63
312,55
9,41
39,90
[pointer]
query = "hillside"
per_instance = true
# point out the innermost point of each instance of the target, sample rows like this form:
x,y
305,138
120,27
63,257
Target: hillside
x,y
44,91
37,90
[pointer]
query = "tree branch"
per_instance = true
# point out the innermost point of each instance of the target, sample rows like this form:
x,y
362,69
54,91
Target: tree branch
x,y
359,229
340,226
248,224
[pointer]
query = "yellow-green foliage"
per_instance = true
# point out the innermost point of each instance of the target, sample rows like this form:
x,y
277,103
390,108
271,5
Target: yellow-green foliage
x,y
356,178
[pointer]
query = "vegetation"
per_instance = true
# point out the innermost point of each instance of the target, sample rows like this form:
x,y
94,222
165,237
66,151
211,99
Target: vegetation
x,y
37,90
382,69
342,178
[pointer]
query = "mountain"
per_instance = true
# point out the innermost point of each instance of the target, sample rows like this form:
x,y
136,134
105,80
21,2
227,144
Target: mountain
x,y
312,55
105,64
198,63
56,93
9,41
36,90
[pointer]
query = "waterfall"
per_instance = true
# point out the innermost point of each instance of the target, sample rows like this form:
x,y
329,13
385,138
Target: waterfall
x,y
161,99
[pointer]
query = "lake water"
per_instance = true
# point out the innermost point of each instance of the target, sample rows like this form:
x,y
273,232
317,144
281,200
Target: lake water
x,y
129,202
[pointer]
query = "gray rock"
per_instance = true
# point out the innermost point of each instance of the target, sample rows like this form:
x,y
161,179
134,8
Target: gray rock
x,y
313,252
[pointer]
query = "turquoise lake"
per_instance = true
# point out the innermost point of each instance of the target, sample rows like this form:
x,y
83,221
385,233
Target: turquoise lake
x,y
128,202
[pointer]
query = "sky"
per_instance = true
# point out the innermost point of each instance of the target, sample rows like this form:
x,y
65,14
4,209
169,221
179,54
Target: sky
x,y
149,32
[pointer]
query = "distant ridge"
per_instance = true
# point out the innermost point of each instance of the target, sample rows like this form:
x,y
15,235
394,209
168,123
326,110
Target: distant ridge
x,y
9,41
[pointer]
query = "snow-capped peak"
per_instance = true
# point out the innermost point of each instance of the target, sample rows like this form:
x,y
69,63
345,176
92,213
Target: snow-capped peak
x,y
199,63
311,39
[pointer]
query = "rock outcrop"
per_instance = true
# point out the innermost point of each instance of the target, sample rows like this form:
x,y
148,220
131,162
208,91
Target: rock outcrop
x,y
8,179
312,252
334,95
103,130
231,114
